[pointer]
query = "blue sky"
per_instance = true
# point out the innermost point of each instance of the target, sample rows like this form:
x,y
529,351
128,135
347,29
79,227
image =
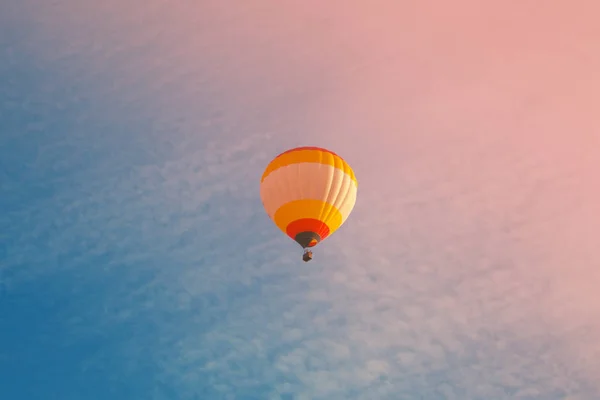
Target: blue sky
x,y
136,260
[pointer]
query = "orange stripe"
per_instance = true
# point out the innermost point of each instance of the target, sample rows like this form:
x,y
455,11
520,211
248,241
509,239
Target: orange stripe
x,y
307,225
308,148
308,208
309,155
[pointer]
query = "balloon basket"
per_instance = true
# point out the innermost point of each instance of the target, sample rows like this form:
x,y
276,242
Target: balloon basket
x,y
307,256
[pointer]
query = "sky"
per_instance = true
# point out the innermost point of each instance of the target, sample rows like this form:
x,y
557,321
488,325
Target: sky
x,y
136,259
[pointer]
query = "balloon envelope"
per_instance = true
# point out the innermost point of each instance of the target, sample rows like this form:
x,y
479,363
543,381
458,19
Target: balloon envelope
x,y
308,192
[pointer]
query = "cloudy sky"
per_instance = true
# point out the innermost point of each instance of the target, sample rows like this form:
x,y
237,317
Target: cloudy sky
x,y
137,262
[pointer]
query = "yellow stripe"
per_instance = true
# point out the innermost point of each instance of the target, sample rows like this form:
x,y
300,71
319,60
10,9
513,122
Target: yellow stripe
x,y
317,209
309,156
310,181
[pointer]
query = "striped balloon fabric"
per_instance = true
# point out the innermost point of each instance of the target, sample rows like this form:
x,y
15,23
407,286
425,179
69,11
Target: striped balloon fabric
x,y
308,192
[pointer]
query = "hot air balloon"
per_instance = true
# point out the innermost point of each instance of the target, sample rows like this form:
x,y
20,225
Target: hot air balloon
x,y
308,192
